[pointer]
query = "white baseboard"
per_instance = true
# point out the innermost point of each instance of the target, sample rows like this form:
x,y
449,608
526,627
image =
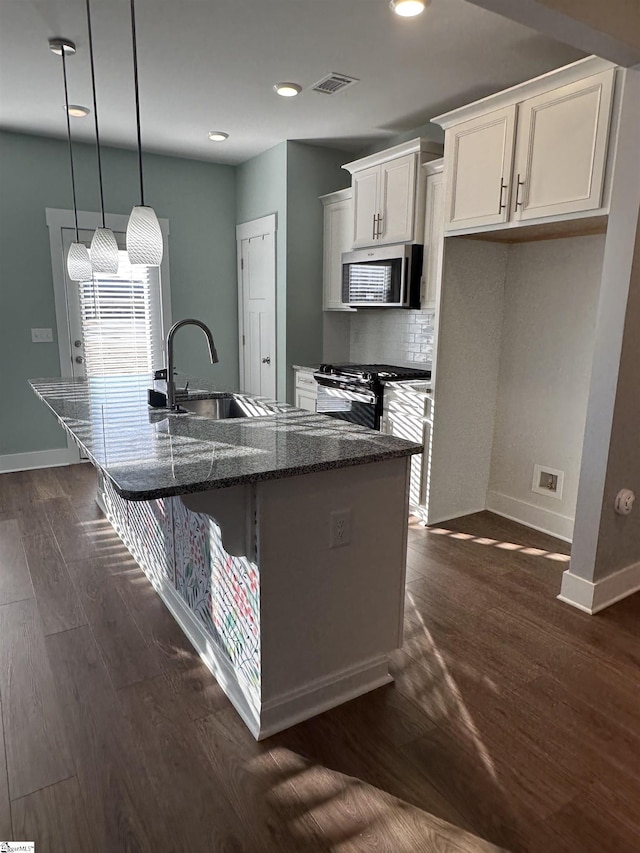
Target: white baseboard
x,y
37,459
592,597
544,520
316,697
431,520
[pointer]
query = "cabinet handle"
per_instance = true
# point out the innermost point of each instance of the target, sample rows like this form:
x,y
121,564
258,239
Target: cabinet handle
x,y
503,187
520,184
379,231
373,235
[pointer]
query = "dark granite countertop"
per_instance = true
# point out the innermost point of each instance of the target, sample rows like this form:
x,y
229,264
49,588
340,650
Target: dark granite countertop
x,y
150,453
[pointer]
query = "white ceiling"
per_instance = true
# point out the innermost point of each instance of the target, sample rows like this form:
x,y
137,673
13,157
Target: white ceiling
x,y
211,64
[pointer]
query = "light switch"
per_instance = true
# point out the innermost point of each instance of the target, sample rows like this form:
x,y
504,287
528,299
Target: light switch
x,y
42,336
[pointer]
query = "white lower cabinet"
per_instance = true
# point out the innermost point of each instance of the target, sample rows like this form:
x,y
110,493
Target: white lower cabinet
x,y
407,414
306,389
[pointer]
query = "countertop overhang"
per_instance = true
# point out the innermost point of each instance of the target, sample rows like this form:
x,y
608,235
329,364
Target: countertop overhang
x,y
151,453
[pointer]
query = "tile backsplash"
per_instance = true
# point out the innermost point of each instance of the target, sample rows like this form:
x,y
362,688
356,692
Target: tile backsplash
x,y
391,336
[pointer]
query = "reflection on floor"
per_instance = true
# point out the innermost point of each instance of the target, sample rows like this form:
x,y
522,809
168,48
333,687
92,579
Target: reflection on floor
x,y
513,718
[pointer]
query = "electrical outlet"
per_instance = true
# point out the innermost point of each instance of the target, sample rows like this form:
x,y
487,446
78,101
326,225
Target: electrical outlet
x,y
41,336
339,527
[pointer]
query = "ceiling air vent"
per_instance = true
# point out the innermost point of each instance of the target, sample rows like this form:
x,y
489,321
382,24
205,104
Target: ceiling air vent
x,y
333,83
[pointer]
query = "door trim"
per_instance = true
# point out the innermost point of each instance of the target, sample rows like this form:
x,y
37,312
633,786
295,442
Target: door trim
x,y
58,220
245,231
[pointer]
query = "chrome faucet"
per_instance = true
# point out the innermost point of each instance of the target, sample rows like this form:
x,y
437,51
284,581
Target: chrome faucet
x,y
171,385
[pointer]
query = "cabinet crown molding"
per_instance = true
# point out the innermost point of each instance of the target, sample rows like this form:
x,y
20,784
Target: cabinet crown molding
x,y
427,147
538,85
433,167
337,195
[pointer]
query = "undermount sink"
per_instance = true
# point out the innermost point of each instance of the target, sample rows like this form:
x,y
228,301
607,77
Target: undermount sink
x,y
222,407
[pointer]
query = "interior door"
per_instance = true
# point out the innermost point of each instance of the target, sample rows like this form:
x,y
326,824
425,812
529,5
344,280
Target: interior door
x,y
257,256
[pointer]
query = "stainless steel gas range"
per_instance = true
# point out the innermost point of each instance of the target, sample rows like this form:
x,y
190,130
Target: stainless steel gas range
x,y
355,392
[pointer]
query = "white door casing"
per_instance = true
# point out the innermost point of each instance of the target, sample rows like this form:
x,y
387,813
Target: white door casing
x,y
61,231
256,251
61,225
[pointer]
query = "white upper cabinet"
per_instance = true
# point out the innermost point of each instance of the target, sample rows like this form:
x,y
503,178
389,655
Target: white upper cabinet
x,y
388,194
338,237
366,190
561,150
481,160
397,200
535,153
433,235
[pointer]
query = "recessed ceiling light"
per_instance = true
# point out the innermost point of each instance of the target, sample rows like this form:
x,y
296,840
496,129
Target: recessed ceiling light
x,y
77,110
57,45
218,136
288,90
409,8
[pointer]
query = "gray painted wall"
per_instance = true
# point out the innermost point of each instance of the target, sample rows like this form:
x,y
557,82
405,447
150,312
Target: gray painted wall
x,y
287,180
199,201
262,190
311,172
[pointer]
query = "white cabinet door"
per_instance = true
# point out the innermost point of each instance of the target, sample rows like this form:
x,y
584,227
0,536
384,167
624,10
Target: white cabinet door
x,y
338,235
397,200
479,157
562,148
306,393
407,415
433,241
306,400
366,192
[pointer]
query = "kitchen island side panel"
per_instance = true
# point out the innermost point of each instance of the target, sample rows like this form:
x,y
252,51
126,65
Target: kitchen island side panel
x,y
183,549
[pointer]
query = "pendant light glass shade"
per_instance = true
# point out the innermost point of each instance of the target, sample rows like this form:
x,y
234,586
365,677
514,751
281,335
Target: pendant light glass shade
x,y
144,237
79,263
104,251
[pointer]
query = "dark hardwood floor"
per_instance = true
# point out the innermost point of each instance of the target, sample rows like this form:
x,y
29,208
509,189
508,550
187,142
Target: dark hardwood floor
x,y
513,722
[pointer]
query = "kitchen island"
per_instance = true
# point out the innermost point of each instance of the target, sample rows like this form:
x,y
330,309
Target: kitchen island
x,y
277,538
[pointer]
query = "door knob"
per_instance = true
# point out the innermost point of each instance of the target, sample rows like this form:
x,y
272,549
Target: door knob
x,y
266,360
79,359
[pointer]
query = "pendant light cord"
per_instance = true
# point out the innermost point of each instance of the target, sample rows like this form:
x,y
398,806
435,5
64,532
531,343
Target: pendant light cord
x,y
95,111
73,175
135,85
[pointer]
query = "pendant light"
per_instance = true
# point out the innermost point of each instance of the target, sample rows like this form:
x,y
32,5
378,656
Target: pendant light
x,y
104,249
78,261
144,237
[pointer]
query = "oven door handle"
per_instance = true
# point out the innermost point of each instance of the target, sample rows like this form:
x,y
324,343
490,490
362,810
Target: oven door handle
x,y
342,384
360,394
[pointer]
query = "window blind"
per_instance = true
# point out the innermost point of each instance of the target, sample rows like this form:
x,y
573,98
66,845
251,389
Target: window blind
x,y
121,321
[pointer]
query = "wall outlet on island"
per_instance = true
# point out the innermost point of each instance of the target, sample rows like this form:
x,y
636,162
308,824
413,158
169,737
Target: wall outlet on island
x,y
339,528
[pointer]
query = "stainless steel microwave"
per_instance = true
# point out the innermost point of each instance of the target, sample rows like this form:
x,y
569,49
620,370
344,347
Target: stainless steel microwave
x,y
383,276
